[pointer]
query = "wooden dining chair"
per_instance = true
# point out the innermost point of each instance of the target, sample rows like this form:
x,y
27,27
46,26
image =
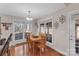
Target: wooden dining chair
x,y
42,44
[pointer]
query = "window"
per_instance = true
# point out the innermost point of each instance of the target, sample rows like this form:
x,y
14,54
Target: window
x,y
42,29
49,31
18,36
27,29
77,38
19,27
19,30
77,32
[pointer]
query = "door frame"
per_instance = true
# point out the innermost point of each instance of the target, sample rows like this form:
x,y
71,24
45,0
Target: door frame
x,y
69,17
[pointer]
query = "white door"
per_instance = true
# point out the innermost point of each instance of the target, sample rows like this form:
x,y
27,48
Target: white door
x,y
72,36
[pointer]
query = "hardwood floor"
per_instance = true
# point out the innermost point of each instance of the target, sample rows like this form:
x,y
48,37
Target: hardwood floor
x,y
22,50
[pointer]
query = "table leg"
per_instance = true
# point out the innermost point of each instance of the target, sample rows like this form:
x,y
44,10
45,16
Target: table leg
x,y
23,50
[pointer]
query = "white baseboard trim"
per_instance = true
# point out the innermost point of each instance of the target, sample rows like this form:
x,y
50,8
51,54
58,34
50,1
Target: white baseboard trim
x,y
49,44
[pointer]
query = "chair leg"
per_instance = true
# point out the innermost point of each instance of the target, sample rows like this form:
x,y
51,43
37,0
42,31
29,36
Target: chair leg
x,y
28,49
45,51
23,50
40,52
8,52
12,51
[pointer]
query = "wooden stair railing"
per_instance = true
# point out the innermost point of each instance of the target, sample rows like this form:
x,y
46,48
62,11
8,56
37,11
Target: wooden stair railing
x,y
5,48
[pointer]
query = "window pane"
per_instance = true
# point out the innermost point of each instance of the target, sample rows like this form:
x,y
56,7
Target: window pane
x,y
42,28
18,27
18,36
49,31
77,32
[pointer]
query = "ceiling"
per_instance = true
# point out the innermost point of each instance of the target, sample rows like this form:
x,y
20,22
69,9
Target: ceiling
x,y
38,10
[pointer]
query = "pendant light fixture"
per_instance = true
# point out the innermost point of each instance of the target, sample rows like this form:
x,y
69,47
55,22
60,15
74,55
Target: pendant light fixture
x,y
29,18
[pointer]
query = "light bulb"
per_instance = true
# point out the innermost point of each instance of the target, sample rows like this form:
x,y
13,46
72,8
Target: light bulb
x,y
27,18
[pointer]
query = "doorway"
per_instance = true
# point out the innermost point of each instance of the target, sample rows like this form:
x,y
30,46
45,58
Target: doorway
x,y
77,37
74,34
